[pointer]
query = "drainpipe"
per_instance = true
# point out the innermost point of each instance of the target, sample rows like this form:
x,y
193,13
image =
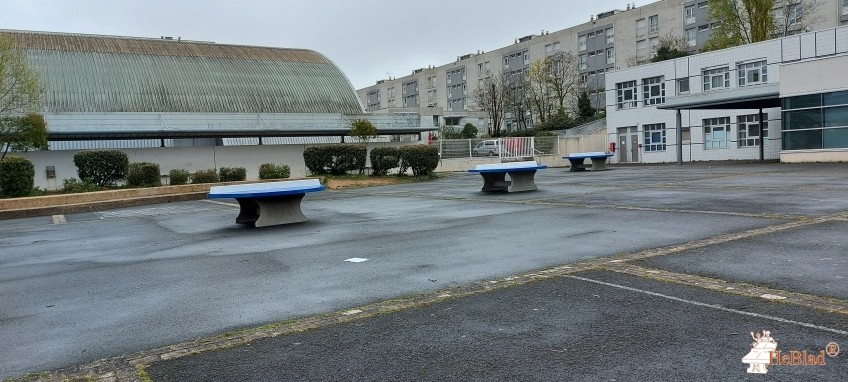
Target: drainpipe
x,y
679,138
762,138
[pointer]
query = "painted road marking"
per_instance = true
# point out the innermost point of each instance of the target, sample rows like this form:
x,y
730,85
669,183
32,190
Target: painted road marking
x,y
713,306
59,219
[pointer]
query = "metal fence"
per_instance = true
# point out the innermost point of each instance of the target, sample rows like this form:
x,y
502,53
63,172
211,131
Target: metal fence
x,y
511,148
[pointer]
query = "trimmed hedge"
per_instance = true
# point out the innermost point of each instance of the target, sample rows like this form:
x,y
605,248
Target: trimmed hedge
x,y
384,159
205,176
232,174
335,159
178,176
422,159
76,186
273,171
17,177
143,174
102,167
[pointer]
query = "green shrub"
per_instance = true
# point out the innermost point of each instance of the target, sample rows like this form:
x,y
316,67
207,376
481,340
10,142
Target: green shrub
x,y
273,171
422,159
205,176
17,176
232,174
178,176
335,159
384,159
143,174
103,167
75,186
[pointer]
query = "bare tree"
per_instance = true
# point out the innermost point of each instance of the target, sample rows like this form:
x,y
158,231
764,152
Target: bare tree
x,y
795,15
492,98
554,84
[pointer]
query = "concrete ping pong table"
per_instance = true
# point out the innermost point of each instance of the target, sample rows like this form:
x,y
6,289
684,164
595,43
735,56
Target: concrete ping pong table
x,y
521,176
272,203
599,160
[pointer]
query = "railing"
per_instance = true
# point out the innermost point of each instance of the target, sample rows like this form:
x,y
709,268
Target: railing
x,y
505,149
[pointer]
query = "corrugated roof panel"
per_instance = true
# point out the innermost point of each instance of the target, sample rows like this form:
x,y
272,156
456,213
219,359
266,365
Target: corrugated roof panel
x,y
84,73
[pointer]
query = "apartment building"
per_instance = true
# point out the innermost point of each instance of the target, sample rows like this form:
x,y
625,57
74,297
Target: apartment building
x,y
709,106
609,41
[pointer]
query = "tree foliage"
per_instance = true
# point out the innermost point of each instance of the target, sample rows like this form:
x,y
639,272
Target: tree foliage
x,y
363,129
469,131
20,90
584,106
25,133
554,87
671,46
742,22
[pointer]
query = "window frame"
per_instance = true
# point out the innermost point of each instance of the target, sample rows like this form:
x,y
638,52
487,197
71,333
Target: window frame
x,y
707,86
743,137
648,85
649,133
621,90
709,126
744,69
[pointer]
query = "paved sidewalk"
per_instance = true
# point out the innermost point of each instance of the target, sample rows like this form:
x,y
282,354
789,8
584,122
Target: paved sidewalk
x,y
110,293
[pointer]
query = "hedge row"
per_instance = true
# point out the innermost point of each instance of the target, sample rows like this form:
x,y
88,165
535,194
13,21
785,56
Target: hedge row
x,y
335,159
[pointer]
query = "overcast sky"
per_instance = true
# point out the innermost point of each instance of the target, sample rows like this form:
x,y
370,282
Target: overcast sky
x,y
368,39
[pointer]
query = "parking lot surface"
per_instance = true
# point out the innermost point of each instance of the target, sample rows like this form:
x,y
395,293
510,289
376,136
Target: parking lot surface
x,y
125,284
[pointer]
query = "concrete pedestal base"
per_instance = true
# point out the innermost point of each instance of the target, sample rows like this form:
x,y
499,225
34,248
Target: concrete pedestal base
x,y
272,210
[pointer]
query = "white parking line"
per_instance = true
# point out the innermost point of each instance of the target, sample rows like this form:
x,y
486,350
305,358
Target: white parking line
x,y
222,203
714,306
59,219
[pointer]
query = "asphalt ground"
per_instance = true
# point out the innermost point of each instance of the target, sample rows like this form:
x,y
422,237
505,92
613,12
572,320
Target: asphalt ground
x,y
162,282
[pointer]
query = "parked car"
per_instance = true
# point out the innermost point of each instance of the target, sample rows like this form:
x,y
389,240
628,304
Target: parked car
x,y
489,147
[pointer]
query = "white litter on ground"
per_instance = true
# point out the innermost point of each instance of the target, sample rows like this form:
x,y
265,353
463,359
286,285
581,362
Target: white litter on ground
x,y
356,260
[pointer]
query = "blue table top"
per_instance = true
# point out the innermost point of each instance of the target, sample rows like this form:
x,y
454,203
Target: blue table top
x,y
256,190
509,169
588,155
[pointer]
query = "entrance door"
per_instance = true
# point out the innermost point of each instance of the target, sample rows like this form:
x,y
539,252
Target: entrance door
x,y
634,145
628,145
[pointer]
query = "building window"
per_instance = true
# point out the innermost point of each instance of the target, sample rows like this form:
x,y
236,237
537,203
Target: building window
x,y
689,13
716,79
748,128
583,59
691,37
653,91
654,135
717,133
703,28
654,24
641,48
610,55
582,42
793,14
654,42
391,92
683,85
431,96
431,82
640,27
506,62
611,35
556,46
821,122
752,73
626,94
703,4
845,7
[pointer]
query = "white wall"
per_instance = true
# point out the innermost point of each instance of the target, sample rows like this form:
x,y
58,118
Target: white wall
x,y
692,67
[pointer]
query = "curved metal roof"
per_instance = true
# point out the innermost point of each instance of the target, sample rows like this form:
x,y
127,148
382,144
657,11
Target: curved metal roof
x,y
88,73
